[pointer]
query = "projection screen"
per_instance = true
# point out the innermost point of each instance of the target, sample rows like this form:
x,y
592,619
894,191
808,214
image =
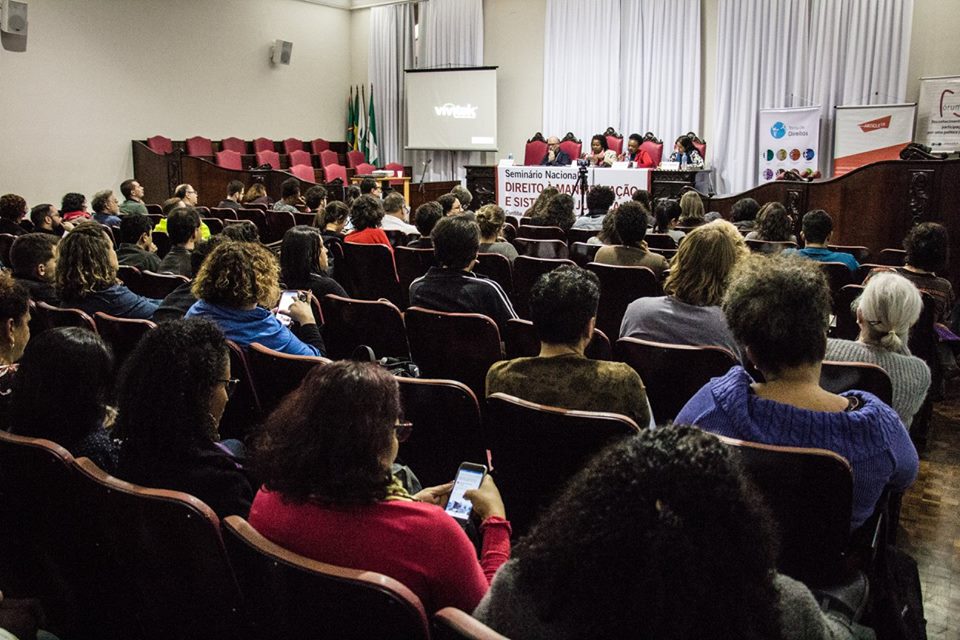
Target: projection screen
x,y
452,109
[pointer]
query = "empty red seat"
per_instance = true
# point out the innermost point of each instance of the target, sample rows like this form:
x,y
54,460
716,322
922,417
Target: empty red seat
x,y
354,158
199,146
304,172
230,160
614,140
233,144
329,157
299,156
332,172
365,169
263,144
653,146
571,145
160,144
535,150
271,158
319,145
292,144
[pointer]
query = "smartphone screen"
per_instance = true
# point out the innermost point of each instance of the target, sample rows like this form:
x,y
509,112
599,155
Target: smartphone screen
x,y
286,299
469,476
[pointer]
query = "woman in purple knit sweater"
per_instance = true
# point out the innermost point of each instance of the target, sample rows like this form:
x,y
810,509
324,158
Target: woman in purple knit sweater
x,y
778,308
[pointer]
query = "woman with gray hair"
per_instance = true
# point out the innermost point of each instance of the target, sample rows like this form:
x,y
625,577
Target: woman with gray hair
x,y
889,305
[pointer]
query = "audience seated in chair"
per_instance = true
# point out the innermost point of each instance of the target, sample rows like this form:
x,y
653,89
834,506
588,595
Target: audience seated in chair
x,y
563,307
658,537
256,193
666,215
453,286
366,218
46,219
691,210
539,206
744,213
427,216
631,226
183,229
73,208
185,196
290,196
490,219
303,263
556,212
106,209
690,312
886,310
816,232
234,196
171,395
33,259
395,215
315,199
927,247
464,196
236,287
176,303
328,493
773,224
14,334
778,309
60,393
13,209
136,243
87,276
133,193
599,200
450,205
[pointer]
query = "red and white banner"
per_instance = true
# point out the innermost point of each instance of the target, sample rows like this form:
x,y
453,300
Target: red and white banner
x,y
938,121
866,134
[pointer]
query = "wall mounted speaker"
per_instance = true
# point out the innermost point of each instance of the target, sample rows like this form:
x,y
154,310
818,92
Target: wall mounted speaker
x,y
281,51
14,20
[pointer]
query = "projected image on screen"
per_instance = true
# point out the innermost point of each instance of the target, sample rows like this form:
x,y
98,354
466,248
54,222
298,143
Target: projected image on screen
x,y
452,109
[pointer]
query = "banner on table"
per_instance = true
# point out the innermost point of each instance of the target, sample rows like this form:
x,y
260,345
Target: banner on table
x,y
865,134
938,118
518,187
788,139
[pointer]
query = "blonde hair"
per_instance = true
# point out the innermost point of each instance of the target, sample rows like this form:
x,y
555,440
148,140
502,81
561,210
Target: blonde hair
x,y
490,217
254,191
691,208
889,305
238,274
700,271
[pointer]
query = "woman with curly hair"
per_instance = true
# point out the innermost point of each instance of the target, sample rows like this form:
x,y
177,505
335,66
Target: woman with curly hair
x,y
257,194
86,276
928,250
325,456
366,216
76,416
14,333
490,219
236,287
304,262
659,536
600,155
773,224
690,312
557,213
540,204
173,444
778,309
13,208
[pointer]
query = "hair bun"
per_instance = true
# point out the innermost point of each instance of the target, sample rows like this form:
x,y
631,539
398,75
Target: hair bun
x,y
891,341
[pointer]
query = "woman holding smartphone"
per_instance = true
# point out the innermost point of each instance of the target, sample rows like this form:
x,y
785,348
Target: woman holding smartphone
x,y
325,456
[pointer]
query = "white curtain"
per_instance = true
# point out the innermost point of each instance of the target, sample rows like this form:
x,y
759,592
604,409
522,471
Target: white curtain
x,y
451,35
796,53
660,68
581,68
391,51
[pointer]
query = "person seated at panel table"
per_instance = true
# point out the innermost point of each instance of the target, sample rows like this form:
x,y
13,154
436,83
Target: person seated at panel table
x,y
684,151
555,156
636,155
600,154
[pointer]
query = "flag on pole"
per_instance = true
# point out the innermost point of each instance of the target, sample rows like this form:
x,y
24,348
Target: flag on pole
x,y
351,125
357,124
373,144
361,122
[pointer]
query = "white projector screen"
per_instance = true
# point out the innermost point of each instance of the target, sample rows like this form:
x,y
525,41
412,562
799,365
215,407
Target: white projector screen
x,y
452,109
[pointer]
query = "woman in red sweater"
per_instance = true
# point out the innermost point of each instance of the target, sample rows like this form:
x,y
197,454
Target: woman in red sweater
x,y
328,494
366,216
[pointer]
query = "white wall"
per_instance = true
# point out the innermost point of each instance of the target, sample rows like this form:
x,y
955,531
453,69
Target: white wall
x,y
933,50
99,73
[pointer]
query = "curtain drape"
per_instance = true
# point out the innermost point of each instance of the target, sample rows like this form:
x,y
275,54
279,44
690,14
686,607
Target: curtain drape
x,y
796,53
660,67
581,68
391,51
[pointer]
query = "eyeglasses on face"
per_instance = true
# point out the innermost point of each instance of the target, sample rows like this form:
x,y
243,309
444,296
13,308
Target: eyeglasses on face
x,y
403,430
230,385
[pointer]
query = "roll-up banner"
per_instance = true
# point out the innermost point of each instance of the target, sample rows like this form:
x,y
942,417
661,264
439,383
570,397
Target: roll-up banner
x,y
788,139
865,134
938,119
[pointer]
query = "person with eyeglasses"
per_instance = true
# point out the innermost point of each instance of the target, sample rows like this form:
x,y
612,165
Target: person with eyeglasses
x,y
170,439
325,456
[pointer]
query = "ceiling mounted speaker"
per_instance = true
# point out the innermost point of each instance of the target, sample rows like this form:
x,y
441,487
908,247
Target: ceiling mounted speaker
x,y
281,51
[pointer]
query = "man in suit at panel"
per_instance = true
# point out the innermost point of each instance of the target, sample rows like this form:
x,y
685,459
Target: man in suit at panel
x,y
556,157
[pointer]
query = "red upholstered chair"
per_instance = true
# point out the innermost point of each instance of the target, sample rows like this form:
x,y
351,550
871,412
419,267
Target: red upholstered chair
x,y
290,596
452,624
497,267
580,235
541,248
52,317
365,169
571,145
372,272
354,158
660,241
526,270
837,377
269,157
861,253
257,216
332,172
540,233
278,222
319,145
411,264
349,323
614,140
329,157
583,253
535,150
199,146
276,374
160,144
230,160
304,172
520,341
122,334
653,146
292,144
769,246
698,144
263,144
299,156
233,144
395,167
453,346
619,286
892,257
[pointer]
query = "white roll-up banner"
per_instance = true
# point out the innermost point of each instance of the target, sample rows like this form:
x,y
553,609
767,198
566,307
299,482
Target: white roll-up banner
x,y
938,116
788,139
865,134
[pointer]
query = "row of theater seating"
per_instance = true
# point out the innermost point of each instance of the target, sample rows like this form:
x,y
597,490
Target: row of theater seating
x,y
536,147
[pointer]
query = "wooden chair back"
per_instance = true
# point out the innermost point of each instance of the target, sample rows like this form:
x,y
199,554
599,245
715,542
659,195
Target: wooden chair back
x,y
541,233
243,412
540,248
837,377
158,285
583,253
496,266
122,334
846,318
619,286
452,624
521,341
52,317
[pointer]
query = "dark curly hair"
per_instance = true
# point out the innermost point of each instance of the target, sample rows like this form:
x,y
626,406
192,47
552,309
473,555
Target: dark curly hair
x,y
744,209
557,213
84,264
242,231
562,302
14,298
237,274
667,210
608,230
327,440
778,306
73,202
183,360
774,223
599,199
314,197
456,241
366,212
660,536
927,246
631,223
426,217
12,207
80,364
